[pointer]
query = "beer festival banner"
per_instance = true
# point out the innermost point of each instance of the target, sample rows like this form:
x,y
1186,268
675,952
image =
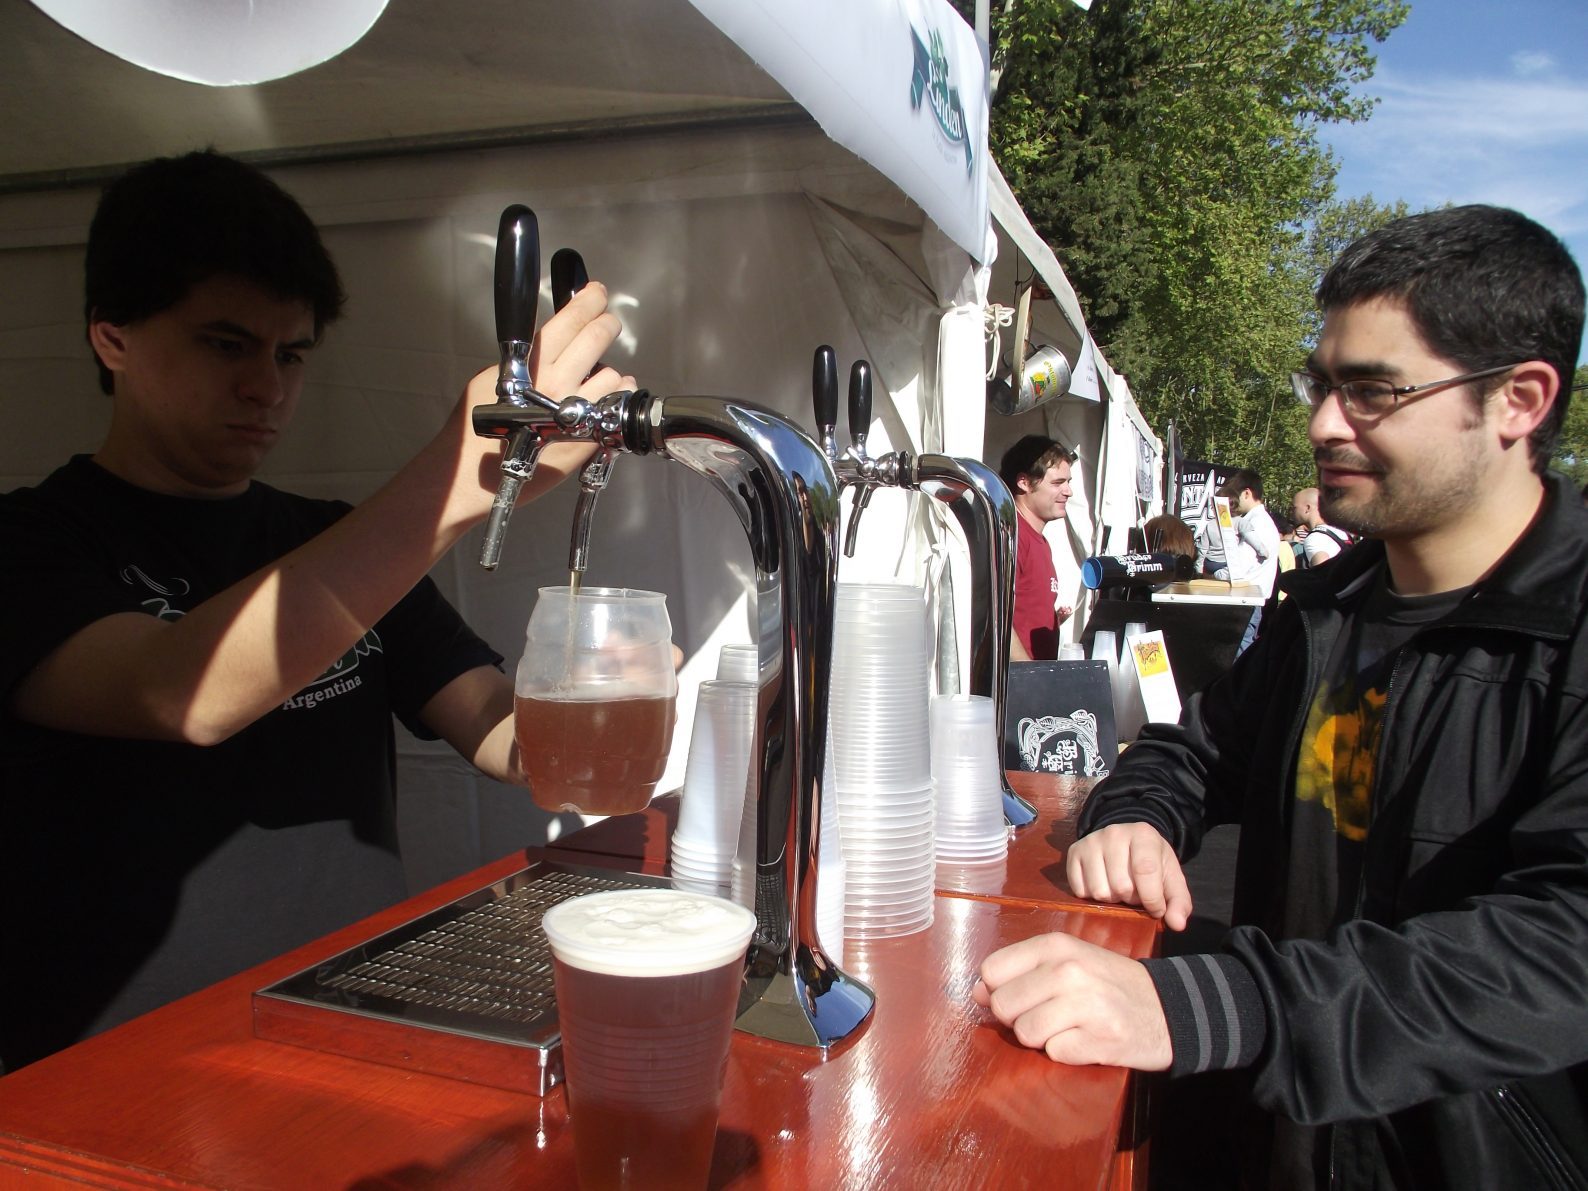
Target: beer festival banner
x,y
902,84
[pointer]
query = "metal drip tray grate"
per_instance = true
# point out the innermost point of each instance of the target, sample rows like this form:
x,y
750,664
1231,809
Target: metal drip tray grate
x,y
464,991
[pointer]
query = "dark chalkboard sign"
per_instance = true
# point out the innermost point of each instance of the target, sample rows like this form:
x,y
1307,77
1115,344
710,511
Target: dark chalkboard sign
x,y
1060,719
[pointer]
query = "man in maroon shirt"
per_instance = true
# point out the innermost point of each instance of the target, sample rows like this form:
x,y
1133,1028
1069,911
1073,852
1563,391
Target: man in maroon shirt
x,y
1037,472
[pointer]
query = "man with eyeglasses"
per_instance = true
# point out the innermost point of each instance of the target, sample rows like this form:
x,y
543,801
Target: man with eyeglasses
x,y
1404,999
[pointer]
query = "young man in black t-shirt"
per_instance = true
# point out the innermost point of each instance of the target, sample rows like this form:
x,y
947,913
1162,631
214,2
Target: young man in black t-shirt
x,y
1406,751
197,671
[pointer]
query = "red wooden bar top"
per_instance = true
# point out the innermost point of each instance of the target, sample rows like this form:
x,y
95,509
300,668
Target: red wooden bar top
x,y
931,1094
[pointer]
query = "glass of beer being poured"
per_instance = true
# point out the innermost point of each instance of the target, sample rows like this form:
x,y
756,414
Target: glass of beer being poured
x,y
593,699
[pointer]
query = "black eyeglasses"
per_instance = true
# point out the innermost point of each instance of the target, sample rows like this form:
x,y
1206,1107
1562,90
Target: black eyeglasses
x,y
1372,398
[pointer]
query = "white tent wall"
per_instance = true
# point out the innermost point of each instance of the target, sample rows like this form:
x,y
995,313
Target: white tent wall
x,y
913,296
729,255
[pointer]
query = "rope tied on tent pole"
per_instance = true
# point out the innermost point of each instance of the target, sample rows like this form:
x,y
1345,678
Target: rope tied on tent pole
x,y
996,316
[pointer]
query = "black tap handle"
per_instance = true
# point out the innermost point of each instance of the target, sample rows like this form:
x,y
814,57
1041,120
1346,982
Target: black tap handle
x,y
824,387
859,401
568,276
517,274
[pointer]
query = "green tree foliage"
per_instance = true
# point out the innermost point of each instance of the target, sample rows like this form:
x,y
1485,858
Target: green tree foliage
x,y
1571,451
1168,150
1283,453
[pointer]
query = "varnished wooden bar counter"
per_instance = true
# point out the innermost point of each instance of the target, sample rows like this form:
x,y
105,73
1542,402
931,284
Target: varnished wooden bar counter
x,y
932,1094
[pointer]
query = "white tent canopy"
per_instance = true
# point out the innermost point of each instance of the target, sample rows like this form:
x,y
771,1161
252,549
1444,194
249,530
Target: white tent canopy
x,y
733,235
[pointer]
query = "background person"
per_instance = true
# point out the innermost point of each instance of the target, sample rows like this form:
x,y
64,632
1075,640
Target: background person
x,y
198,672
1404,984
1318,540
1255,554
1288,545
1036,470
1169,534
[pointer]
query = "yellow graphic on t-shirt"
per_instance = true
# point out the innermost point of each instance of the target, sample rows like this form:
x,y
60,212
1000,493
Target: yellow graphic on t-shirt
x,y
1339,747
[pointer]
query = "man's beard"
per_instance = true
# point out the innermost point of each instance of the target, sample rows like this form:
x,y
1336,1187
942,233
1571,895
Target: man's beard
x,y
1363,521
1406,501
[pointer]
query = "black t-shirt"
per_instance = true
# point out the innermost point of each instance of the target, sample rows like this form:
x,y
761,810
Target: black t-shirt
x,y
133,872
1333,800
1338,758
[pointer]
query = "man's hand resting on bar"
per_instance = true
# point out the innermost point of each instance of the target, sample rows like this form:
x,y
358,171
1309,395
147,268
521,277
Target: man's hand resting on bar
x,y
1130,863
1077,1002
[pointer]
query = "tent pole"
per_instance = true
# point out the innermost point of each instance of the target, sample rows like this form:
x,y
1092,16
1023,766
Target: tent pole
x,y
1172,480
1102,468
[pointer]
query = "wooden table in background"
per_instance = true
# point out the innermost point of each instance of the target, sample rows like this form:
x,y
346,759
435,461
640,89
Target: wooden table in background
x,y
932,1093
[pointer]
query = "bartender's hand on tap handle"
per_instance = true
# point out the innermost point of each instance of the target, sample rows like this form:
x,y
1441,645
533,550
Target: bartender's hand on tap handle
x,y
565,360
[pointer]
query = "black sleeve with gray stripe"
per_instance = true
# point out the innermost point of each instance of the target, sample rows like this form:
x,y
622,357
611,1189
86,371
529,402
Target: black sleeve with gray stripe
x,y
1215,1013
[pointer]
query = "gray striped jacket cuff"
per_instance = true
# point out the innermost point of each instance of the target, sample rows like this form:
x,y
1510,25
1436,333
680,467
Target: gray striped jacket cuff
x,y
1215,1013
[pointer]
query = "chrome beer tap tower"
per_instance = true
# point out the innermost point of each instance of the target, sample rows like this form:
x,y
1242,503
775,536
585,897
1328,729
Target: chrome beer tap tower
x,y
979,501
782,486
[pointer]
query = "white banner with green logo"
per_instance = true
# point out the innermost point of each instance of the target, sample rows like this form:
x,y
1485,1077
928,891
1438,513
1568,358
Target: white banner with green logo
x,y
902,84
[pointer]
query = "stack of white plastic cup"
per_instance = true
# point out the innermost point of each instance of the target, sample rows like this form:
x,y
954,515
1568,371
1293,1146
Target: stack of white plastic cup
x,y
715,777
882,758
742,884
1104,649
1130,714
739,663
967,781
832,874
742,663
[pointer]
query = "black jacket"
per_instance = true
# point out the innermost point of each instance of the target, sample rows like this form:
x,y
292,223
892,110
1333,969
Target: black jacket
x,y
1443,1028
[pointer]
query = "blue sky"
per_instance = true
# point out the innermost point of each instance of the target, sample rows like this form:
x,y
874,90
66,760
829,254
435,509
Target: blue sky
x,y
1480,101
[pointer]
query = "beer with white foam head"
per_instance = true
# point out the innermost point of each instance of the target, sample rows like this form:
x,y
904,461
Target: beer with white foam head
x,y
648,986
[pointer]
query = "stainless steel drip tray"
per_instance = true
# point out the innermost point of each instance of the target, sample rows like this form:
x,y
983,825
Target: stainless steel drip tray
x,y
464,991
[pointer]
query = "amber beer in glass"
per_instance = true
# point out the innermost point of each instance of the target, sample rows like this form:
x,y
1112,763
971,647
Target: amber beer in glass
x,y
594,699
647,989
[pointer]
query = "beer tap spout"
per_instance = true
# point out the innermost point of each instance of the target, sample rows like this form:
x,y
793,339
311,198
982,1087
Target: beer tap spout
x,y
864,469
592,482
568,277
517,288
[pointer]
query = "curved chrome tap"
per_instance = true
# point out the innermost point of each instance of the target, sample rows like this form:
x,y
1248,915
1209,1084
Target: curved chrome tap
x,y
782,486
985,510
981,504
784,491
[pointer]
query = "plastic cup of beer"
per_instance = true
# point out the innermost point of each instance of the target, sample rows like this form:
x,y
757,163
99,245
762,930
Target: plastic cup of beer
x,y
594,698
647,990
